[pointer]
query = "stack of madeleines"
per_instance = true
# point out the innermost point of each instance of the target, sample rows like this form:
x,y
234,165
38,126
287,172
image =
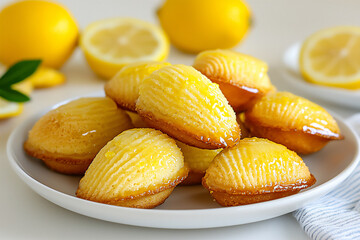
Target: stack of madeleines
x,y
220,123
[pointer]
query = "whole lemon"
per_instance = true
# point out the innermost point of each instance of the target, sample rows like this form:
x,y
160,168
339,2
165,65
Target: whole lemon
x,y
37,29
198,25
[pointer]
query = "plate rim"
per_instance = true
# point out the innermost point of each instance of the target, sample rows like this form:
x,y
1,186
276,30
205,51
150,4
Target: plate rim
x,y
288,202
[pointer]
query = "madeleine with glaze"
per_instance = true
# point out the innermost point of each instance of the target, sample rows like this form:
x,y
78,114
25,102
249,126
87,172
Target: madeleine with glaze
x,y
198,160
136,120
256,170
139,168
123,88
186,105
293,121
68,138
240,118
242,79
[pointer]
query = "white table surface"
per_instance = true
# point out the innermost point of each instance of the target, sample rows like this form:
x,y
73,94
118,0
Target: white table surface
x,y
277,24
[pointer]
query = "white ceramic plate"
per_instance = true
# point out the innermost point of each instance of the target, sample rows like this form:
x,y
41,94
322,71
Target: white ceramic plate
x,y
293,79
187,207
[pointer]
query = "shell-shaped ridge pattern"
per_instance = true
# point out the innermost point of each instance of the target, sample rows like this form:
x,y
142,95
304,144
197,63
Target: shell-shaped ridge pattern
x,y
123,88
78,129
287,111
135,163
236,68
184,98
257,166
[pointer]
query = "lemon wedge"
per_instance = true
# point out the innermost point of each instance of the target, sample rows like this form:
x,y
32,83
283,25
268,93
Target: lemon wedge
x,y
331,57
110,44
9,109
46,77
25,86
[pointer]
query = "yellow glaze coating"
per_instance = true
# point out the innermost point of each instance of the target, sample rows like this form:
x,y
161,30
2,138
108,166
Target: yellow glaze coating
x,y
136,163
286,111
240,118
137,120
185,104
123,88
242,78
233,67
257,166
77,130
197,159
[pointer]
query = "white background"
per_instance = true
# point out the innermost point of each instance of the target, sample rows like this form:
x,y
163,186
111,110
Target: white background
x,y
277,24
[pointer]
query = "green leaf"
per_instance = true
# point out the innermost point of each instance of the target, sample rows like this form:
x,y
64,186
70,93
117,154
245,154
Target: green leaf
x,y
13,95
18,72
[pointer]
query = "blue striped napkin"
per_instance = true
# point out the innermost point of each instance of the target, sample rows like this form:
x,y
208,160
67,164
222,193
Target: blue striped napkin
x,y
337,214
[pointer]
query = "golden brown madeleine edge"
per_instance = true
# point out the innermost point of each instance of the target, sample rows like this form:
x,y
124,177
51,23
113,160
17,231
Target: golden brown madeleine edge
x,y
188,137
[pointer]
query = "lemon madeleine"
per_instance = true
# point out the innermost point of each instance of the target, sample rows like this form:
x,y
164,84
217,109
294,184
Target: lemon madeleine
x,y
293,121
136,120
185,104
139,168
68,138
123,88
256,170
240,118
242,78
198,160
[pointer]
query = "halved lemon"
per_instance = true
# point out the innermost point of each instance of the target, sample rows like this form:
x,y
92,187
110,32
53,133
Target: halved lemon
x,y
110,44
331,57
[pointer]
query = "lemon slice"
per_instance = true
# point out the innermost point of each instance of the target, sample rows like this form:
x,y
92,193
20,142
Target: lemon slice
x,y
331,57
9,109
110,44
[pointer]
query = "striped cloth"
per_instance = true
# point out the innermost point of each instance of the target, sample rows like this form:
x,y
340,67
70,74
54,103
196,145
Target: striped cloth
x,y
337,214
